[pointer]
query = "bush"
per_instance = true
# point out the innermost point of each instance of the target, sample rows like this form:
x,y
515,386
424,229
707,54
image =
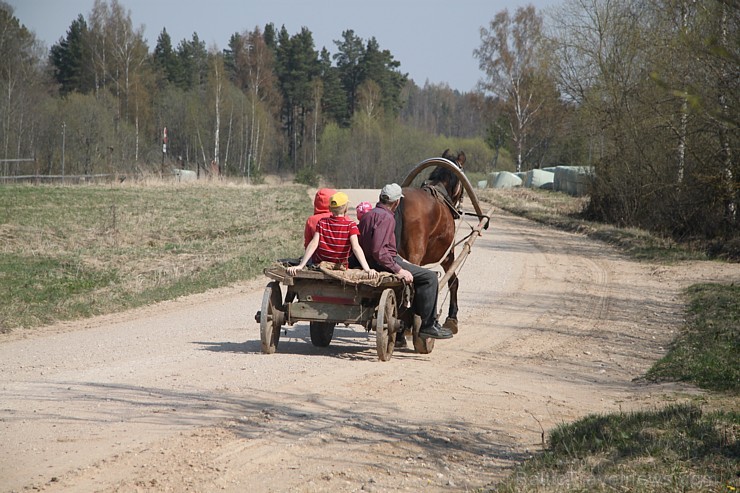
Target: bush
x,y
307,176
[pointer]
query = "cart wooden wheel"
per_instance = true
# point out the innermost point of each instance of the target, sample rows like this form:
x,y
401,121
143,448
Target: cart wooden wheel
x,y
386,322
321,333
271,317
422,346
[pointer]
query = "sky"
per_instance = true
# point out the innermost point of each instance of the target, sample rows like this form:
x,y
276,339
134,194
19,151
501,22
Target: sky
x,y
432,39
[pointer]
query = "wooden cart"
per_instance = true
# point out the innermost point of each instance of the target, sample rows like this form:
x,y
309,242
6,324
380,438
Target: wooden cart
x,y
324,298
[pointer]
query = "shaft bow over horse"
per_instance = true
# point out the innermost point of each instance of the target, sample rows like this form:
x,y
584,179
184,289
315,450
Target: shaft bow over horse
x,y
427,226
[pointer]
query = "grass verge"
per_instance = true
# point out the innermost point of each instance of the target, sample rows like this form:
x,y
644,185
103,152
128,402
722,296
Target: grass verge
x,y
707,351
678,448
71,252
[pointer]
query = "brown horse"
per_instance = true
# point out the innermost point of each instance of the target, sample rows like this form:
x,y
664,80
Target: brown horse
x,y
428,224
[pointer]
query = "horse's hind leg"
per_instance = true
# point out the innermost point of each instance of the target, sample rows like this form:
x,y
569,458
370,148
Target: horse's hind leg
x,y
452,285
451,322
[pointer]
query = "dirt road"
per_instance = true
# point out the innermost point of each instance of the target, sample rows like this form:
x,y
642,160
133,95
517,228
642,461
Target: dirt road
x,y
178,397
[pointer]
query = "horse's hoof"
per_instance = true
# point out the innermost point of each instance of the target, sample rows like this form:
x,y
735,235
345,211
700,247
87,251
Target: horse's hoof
x,y
451,323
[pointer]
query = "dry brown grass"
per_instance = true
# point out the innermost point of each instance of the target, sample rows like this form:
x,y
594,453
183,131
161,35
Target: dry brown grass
x,y
82,250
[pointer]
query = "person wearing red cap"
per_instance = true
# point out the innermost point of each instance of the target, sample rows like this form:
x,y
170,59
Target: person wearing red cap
x,y
320,211
334,238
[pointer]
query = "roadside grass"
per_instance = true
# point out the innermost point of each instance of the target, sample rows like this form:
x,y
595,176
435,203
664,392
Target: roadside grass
x,y
707,351
71,252
562,211
678,448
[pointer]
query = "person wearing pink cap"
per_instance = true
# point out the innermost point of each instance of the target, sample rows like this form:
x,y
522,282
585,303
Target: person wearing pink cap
x,y
362,208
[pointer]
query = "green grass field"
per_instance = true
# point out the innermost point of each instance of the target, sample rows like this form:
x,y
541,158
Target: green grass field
x,y
71,252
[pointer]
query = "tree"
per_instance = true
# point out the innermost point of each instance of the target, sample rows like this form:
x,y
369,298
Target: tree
x,y
119,53
21,85
350,50
230,55
270,36
164,59
252,69
298,67
192,63
334,99
216,81
89,133
695,68
497,134
369,99
379,66
70,59
509,55
652,90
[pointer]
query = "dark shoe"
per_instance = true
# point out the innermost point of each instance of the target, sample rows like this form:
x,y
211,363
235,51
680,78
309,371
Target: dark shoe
x,y
436,331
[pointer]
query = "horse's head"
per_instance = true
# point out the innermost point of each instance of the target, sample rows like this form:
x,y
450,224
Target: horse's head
x,y
448,178
459,160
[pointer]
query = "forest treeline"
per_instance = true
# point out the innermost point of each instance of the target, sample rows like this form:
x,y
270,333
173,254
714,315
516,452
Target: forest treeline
x,y
644,93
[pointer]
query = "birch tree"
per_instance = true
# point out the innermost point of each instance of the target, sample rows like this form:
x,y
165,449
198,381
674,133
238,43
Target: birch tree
x,y
216,83
509,55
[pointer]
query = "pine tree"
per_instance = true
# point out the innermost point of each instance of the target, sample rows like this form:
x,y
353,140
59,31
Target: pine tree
x,y
350,53
70,59
334,102
379,66
297,67
192,63
164,58
231,54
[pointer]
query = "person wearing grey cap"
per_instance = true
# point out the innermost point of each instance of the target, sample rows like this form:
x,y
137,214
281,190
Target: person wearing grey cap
x,y
378,242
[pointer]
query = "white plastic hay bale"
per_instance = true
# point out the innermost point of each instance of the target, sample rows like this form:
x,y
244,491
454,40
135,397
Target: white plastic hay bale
x,y
482,183
538,178
573,180
184,175
492,178
505,179
583,180
561,178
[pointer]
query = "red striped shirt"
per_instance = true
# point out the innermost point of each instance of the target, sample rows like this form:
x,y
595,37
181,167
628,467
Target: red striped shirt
x,y
334,233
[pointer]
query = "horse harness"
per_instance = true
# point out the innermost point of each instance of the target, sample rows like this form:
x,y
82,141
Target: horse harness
x,y
439,192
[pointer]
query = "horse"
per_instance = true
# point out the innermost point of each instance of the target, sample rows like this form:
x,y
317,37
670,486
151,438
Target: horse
x,y
427,228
